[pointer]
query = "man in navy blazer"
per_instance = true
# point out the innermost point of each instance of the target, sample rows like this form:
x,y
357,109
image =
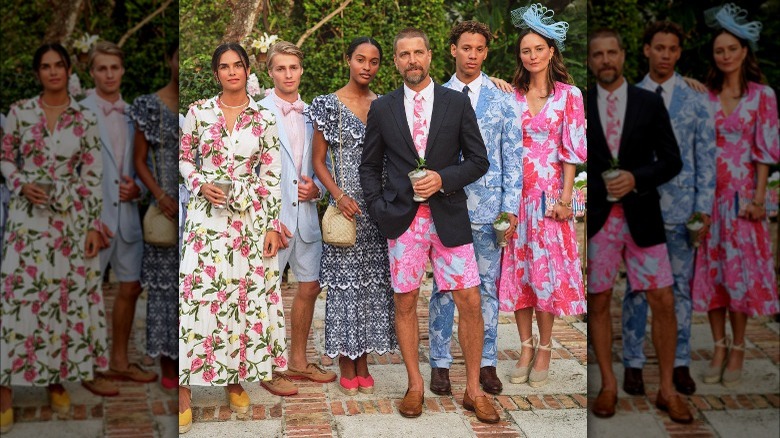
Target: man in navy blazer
x,y
422,120
630,127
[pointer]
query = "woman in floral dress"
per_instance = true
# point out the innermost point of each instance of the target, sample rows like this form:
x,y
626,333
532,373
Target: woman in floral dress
x,y
540,269
52,319
359,310
734,270
230,308
157,133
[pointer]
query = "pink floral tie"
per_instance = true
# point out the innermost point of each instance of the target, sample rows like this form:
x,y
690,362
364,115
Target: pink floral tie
x,y
613,125
420,128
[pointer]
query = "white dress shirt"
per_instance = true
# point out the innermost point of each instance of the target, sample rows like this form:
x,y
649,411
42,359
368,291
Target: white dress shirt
x,y
475,87
668,87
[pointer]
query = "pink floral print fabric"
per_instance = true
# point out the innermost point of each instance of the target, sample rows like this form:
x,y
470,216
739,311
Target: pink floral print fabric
x,y
734,266
453,268
541,265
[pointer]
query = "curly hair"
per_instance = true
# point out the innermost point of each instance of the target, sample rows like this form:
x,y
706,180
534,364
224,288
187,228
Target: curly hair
x,y
470,27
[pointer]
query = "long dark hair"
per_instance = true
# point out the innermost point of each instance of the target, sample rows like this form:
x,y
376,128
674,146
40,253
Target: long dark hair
x,y
225,47
750,71
45,48
556,72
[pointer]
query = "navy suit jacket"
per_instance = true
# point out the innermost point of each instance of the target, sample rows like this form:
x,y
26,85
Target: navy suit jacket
x,y
455,150
648,149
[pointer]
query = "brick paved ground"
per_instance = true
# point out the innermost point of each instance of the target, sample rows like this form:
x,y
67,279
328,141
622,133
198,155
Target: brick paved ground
x,y
752,409
321,410
139,411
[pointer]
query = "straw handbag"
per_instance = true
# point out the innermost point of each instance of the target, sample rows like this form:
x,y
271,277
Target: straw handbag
x,y
337,230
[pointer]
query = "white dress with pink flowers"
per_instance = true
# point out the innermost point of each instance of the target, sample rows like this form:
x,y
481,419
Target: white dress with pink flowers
x,y
52,318
231,320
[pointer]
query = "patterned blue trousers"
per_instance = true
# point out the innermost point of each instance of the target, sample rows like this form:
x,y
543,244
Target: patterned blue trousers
x,y
442,306
681,256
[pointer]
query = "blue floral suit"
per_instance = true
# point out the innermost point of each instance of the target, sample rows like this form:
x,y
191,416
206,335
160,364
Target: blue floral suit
x,y
498,190
692,190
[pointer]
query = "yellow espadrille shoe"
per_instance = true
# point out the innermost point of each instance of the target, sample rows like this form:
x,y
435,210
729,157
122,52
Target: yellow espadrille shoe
x,y
239,403
185,421
6,420
59,399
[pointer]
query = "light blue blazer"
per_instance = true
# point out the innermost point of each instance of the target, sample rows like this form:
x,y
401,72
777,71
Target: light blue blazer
x,y
120,217
299,217
501,187
693,189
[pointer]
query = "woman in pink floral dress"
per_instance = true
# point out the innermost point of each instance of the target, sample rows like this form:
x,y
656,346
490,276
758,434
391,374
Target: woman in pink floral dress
x,y
52,320
734,271
231,318
540,269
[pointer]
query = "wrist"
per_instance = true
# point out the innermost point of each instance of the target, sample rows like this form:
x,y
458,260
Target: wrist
x,y
564,204
757,203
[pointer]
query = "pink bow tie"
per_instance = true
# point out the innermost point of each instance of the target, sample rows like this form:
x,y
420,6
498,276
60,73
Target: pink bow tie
x,y
119,107
297,106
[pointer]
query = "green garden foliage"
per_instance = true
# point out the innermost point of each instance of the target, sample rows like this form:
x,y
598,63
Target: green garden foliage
x,y
629,17
24,25
203,24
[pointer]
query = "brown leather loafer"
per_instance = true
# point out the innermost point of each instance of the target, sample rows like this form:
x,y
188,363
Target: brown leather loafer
x,y
604,406
676,407
683,381
411,405
490,381
440,381
633,383
482,407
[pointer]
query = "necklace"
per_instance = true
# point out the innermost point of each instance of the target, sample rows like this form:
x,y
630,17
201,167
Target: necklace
x,y
222,103
55,106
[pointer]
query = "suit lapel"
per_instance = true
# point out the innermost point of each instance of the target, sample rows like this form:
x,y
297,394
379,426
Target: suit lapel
x,y
269,103
486,96
632,112
440,103
91,103
598,139
399,114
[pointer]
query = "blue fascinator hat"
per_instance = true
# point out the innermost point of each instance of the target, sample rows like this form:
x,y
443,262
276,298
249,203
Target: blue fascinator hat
x,y
734,19
540,19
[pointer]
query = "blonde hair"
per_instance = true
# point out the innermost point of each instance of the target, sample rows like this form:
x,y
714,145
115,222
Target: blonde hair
x,y
284,48
106,48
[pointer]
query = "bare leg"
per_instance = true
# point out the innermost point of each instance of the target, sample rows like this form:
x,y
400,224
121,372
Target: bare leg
x,y
124,313
361,365
717,319
471,335
408,335
664,322
169,367
184,398
523,319
600,329
544,321
301,317
738,326
347,367
6,398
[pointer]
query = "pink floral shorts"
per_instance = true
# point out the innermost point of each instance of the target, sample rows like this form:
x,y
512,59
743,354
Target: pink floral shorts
x,y
647,268
453,268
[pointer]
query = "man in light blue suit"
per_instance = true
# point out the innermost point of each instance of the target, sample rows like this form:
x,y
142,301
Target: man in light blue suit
x,y
301,237
691,191
122,233
497,191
